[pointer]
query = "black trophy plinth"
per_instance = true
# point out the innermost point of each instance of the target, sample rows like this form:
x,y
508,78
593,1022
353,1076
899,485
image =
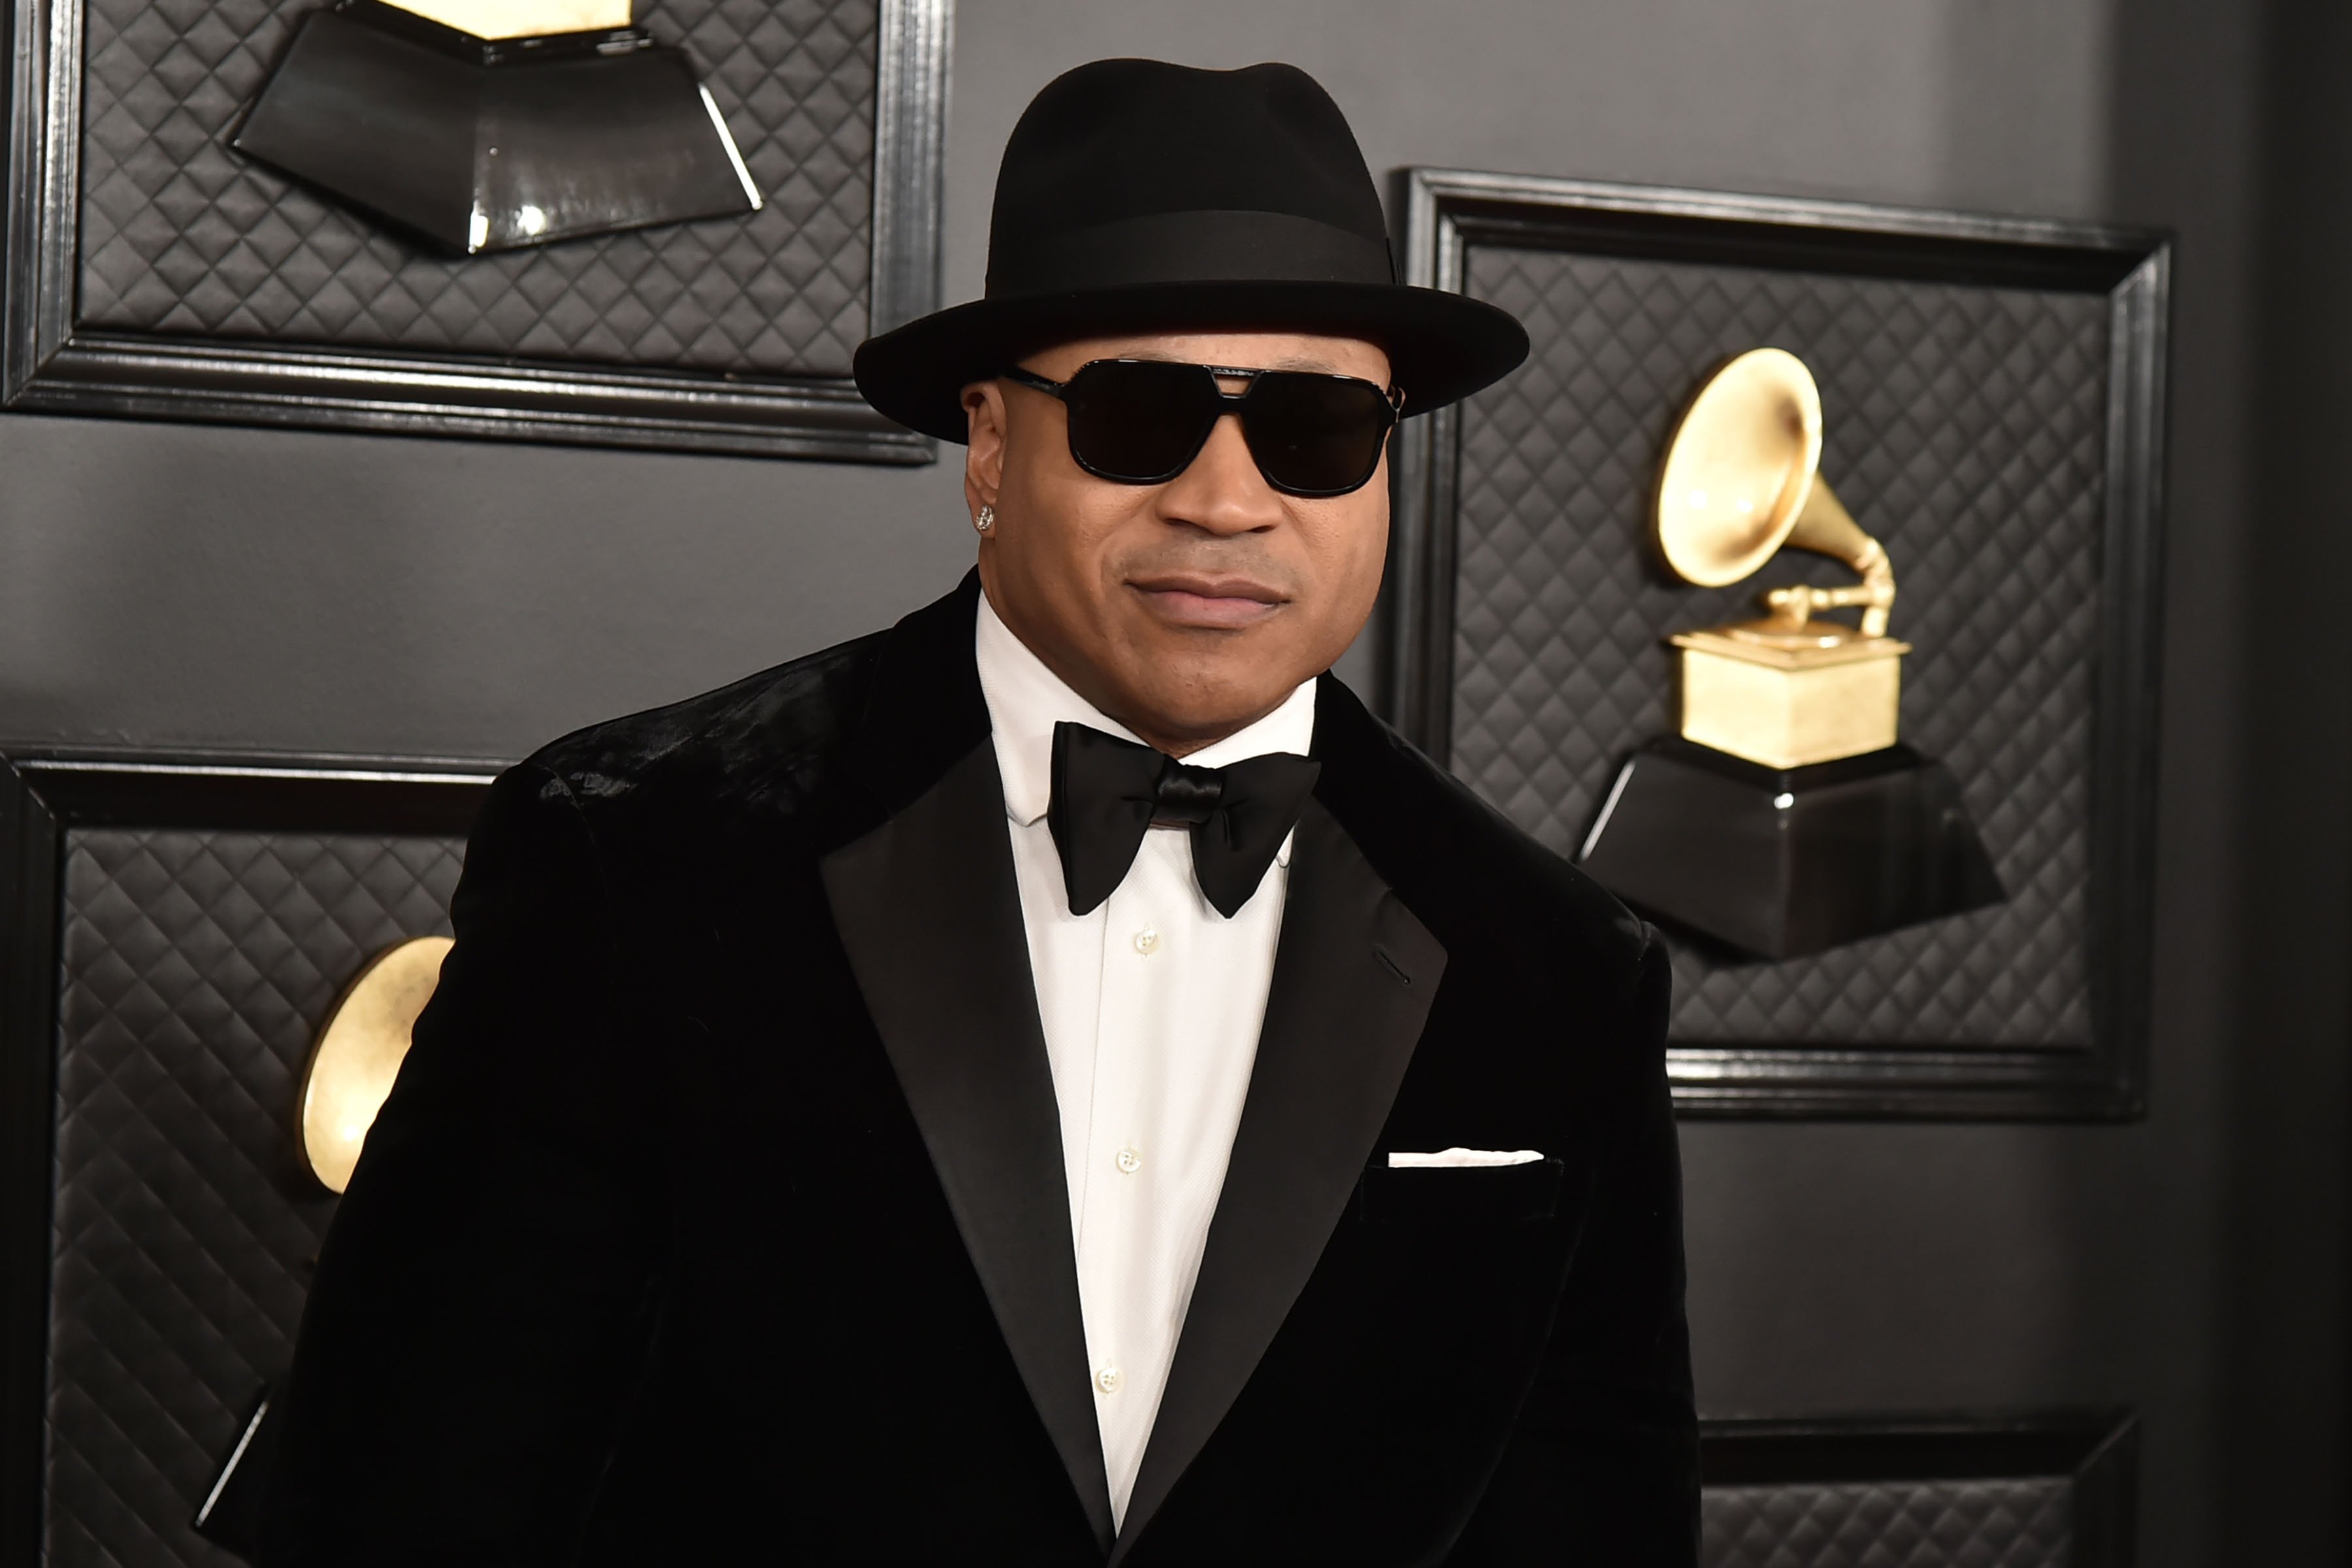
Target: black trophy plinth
x,y
1778,862
480,144
230,1515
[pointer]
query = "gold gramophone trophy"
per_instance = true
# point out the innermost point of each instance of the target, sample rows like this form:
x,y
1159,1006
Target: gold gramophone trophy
x,y
1787,818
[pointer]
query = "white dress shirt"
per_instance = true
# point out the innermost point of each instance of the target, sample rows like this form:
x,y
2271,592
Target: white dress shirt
x,y
1152,1007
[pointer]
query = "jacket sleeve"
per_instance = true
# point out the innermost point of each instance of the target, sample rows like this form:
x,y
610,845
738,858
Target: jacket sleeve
x,y
486,1291
1602,1467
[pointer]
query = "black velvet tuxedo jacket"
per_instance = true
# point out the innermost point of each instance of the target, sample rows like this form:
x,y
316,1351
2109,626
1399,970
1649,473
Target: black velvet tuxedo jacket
x,y
719,1216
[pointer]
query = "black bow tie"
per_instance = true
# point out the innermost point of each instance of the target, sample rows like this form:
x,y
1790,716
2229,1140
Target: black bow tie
x,y
1108,792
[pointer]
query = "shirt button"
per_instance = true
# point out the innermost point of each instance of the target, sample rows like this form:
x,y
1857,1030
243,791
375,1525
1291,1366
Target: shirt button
x,y
1130,1161
1147,942
1107,1380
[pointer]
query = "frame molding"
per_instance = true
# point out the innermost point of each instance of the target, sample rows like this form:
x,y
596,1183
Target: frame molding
x,y
1447,211
50,365
41,801
2099,1450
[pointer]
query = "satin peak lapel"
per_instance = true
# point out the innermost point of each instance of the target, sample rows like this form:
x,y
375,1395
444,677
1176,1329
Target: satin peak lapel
x,y
1353,979
929,913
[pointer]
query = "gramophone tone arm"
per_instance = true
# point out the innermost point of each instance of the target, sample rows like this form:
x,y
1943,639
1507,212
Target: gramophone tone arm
x,y
1829,529
1795,606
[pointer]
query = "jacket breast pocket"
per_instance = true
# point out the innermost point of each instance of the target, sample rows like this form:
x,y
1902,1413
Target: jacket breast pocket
x,y
1448,1197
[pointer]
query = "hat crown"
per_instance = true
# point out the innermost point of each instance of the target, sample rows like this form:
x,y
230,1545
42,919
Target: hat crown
x,y
1140,197
1135,147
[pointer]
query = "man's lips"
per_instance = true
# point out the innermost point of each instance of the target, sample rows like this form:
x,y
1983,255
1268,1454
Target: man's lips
x,y
1200,601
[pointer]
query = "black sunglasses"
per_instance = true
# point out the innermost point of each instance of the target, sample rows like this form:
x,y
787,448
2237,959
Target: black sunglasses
x,y
1142,422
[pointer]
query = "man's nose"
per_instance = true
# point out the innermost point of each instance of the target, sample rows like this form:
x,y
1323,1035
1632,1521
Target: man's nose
x,y
1223,492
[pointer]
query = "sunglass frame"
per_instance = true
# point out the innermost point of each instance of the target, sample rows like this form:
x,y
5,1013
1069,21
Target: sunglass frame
x,y
1392,400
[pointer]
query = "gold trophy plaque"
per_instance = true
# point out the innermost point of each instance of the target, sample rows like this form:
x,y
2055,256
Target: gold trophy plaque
x,y
1787,818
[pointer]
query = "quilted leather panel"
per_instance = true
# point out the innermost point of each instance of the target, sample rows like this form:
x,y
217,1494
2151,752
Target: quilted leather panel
x,y
197,967
2025,1523
182,236
1964,428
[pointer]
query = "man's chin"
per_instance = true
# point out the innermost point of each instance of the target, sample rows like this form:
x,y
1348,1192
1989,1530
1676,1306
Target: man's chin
x,y
1202,712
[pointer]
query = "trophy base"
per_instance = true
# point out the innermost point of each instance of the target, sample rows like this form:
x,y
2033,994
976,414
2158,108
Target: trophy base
x,y
1793,700
493,144
1779,862
231,1514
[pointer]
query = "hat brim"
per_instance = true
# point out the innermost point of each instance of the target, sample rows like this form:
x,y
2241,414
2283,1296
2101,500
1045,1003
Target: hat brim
x,y
1442,347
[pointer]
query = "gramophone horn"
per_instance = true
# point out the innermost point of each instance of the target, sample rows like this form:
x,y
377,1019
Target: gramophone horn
x,y
358,1053
1739,482
1739,469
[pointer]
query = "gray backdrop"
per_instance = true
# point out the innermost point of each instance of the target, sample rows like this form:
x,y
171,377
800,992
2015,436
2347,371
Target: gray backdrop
x,y
182,586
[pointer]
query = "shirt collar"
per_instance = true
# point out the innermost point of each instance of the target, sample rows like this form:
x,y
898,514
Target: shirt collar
x,y
1025,700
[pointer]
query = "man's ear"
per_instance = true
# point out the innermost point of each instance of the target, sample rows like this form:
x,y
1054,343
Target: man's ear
x,y
984,461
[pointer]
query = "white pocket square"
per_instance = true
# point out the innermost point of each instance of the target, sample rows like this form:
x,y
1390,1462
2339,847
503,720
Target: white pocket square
x,y
1455,1159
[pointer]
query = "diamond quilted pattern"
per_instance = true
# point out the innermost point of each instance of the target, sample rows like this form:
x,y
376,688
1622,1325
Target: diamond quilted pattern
x,y
180,234
197,966
2024,1523
1964,428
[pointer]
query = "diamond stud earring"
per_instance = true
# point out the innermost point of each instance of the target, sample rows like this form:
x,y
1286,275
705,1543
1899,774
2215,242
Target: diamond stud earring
x,y
986,519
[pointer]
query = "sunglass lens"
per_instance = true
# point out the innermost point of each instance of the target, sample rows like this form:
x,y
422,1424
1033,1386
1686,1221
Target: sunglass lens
x,y
1140,421
1315,435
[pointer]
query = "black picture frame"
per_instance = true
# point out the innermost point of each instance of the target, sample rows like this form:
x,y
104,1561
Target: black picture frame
x,y
2096,1452
42,799
1447,213
50,363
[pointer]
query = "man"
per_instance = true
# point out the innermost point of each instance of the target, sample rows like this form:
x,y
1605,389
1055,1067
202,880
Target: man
x,y
893,1110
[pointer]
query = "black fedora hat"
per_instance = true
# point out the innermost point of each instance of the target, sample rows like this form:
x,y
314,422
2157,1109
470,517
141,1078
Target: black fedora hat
x,y
1141,197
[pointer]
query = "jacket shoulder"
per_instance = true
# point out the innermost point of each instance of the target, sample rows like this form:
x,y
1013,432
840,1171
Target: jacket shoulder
x,y
1464,869
768,738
